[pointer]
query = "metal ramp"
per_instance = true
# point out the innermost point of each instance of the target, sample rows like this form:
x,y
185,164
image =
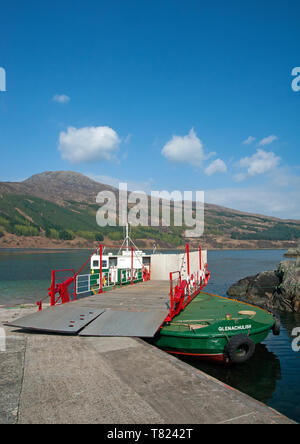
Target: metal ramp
x,y
132,311
126,323
64,319
129,311
72,320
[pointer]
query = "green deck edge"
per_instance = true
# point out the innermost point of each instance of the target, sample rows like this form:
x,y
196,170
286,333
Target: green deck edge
x,y
211,310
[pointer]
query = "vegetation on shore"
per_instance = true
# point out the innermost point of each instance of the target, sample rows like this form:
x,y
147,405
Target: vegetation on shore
x,y
60,207
280,231
32,216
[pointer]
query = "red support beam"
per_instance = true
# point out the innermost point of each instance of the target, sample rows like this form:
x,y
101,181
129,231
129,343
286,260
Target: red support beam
x,y
171,293
200,257
52,289
101,290
131,265
188,258
58,287
75,289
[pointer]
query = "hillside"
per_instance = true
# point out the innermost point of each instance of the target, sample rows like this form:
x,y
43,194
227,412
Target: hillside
x,y
58,209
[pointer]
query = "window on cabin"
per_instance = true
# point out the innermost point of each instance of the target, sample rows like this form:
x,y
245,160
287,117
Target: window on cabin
x,y
95,264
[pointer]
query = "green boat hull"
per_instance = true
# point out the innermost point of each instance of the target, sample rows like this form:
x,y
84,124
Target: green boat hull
x,y
207,325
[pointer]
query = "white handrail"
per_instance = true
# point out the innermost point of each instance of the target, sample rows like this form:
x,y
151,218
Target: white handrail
x,y
85,283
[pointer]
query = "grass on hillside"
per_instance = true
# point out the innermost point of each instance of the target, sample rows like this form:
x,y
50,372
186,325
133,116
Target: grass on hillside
x,y
25,215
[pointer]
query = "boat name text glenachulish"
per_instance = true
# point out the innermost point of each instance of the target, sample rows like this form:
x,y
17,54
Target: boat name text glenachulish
x,y
235,327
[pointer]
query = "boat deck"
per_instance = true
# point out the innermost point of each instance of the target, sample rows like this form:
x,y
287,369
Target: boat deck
x,y
134,311
206,326
207,313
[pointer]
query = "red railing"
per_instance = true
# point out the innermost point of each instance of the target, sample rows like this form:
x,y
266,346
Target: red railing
x,y
61,285
182,292
61,282
176,293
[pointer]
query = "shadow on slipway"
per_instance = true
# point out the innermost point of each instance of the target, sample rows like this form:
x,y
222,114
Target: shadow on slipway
x,y
257,378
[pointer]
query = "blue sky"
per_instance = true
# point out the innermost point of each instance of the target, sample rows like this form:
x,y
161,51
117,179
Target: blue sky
x,y
161,94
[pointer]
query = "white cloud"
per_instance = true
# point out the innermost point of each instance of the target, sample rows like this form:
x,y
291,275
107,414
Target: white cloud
x,y
250,140
268,140
61,98
217,166
185,149
269,201
261,162
88,144
286,177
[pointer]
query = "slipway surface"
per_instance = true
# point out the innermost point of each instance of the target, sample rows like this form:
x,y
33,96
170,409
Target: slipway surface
x,y
125,323
55,379
133,310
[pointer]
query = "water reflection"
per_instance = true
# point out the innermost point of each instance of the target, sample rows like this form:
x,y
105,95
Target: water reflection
x,y
258,377
289,321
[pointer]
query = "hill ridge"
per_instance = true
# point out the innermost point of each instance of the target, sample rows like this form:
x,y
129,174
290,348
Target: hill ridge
x,y
52,203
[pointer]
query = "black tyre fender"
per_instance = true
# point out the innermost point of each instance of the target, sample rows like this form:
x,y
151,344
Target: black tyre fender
x,y
276,327
239,349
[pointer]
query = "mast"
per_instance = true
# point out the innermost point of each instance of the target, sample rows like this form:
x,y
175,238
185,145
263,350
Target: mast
x,y
127,241
127,237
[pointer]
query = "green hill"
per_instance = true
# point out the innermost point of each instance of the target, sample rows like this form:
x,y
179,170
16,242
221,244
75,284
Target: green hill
x,y
24,215
61,207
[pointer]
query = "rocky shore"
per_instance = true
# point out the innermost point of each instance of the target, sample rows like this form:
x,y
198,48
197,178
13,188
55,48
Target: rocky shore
x,y
293,252
277,289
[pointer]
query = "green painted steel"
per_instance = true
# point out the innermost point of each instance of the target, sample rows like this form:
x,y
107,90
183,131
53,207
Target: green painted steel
x,y
95,276
206,325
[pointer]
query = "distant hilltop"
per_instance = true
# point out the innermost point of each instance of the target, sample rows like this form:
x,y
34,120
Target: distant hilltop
x,y
58,209
57,186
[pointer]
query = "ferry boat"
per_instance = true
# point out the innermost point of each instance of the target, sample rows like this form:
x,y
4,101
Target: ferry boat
x,y
198,324
218,329
124,268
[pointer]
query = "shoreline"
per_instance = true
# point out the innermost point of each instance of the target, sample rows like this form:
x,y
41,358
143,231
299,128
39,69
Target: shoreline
x,y
40,250
18,250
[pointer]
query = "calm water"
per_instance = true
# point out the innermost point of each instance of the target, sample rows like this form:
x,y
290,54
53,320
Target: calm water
x,y
25,276
272,376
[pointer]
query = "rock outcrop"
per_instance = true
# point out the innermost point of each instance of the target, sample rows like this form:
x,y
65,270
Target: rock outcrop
x,y
293,252
278,289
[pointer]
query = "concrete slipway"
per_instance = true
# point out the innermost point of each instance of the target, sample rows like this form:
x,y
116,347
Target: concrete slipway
x,y
72,379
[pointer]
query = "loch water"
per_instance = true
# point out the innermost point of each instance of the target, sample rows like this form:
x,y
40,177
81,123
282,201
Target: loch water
x,y
271,376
